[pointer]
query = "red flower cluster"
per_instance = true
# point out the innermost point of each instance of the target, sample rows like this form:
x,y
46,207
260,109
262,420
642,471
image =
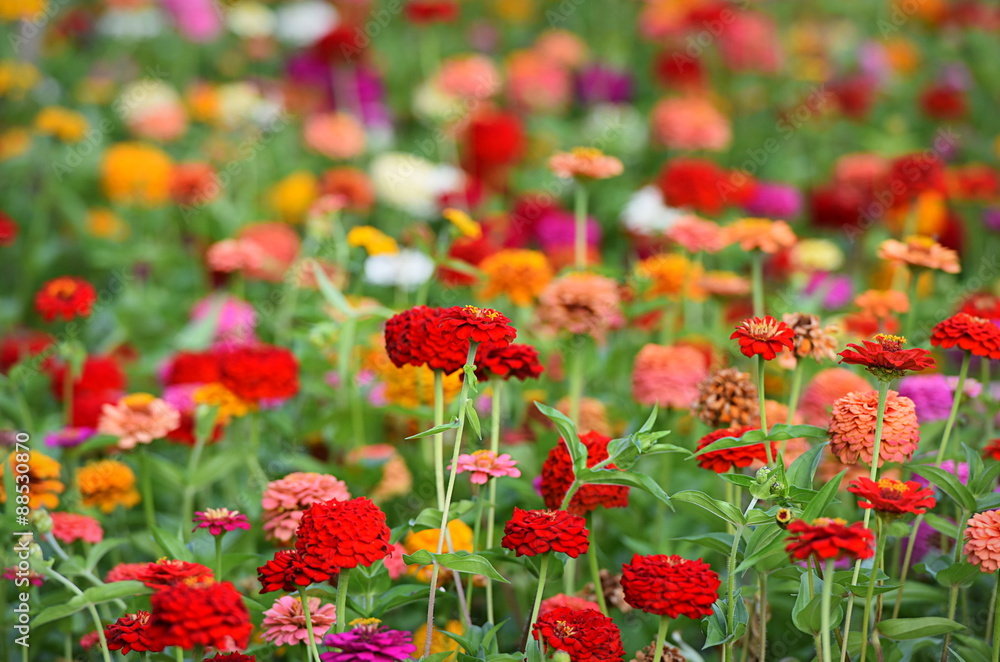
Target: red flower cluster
x,y
171,572
973,334
557,476
100,382
893,497
287,572
494,140
423,12
586,635
342,534
478,325
65,297
885,358
697,184
231,657
8,230
131,633
763,336
259,372
992,449
21,345
513,361
827,538
414,337
189,615
535,532
193,368
722,461
670,586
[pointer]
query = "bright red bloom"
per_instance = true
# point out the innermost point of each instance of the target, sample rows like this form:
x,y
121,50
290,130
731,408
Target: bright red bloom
x,y
943,101
287,572
345,43
827,538
342,534
99,374
231,657
171,572
586,635
8,230
973,334
885,358
131,633
913,174
514,360
670,586
678,70
193,183
557,476
982,304
21,345
763,336
192,368
535,532
695,183
414,337
723,460
992,449
189,615
893,497
478,325
493,141
424,12
259,372
65,297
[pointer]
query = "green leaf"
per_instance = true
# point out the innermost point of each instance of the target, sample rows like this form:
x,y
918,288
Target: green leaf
x,y
823,498
623,478
430,518
949,484
720,542
473,416
113,591
331,293
915,628
437,429
463,562
739,479
961,574
399,596
803,469
987,481
773,548
749,438
577,451
57,612
720,509
98,551
942,525
783,431
170,545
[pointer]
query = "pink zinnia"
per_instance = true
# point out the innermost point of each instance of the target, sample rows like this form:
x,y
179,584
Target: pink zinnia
x,y
668,375
138,419
852,428
982,540
487,464
696,234
394,562
231,255
285,623
826,387
285,500
220,520
235,319
586,163
690,123
70,527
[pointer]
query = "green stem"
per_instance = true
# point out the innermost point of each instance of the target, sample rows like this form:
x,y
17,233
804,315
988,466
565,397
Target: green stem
x,y
492,511
911,314
731,579
762,651
825,611
543,572
313,650
996,621
869,596
956,401
576,384
178,654
793,398
963,517
580,243
343,581
187,501
595,572
148,503
763,408
993,608
661,637
439,438
757,282
218,557
73,588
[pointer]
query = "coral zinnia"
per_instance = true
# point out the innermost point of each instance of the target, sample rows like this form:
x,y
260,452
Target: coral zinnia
x,y
287,572
920,252
885,358
131,633
259,372
535,532
284,623
585,163
982,540
763,337
893,497
520,274
210,614
284,500
827,538
138,418
973,334
722,461
342,534
65,297
477,325
852,428
581,303
69,527
586,635
557,476
761,234
668,375
670,586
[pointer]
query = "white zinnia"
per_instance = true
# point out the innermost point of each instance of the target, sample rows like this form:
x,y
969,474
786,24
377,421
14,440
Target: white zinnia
x,y
413,183
303,23
645,213
408,269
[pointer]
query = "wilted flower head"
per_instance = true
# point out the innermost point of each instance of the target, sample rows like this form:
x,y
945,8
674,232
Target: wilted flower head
x,y
811,340
726,398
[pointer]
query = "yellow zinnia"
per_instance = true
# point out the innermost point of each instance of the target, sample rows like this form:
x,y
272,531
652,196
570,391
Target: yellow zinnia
x,y
67,125
373,240
464,223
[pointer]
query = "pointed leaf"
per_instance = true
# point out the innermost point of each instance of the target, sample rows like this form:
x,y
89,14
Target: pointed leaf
x,y
823,498
803,469
950,485
915,628
437,429
577,451
473,416
720,509
624,478
463,562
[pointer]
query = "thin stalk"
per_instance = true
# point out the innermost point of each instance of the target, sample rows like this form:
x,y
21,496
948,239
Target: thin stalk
x,y
580,227
812,594
763,408
218,557
543,572
178,654
762,602
595,573
825,611
993,609
187,501
146,477
869,596
105,651
342,584
996,622
953,591
757,282
911,314
313,650
439,437
576,385
956,401
492,510
793,398
661,637
731,578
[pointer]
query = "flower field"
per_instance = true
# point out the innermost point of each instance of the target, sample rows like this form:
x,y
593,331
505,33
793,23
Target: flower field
x,y
499,330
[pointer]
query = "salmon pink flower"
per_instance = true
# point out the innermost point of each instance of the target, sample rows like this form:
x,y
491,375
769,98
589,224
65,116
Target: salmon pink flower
x,y
585,163
982,540
284,623
485,465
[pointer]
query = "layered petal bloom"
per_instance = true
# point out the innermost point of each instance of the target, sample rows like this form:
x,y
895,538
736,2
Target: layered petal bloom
x,y
138,418
287,572
210,614
284,623
515,361
670,586
763,337
131,633
826,538
892,497
585,163
885,358
285,500
478,325
342,534
485,464
65,298
220,520
852,428
585,635
173,572
982,540
535,532
979,336
368,641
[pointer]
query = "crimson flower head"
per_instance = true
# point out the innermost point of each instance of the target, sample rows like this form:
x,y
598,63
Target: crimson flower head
x,y
259,372
670,586
992,449
65,297
893,498
829,538
171,572
722,461
425,12
478,325
763,336
413,337
287,572
200,614
513,361
885,358
231,657
535,532
973,334
557,476
131,633
586,635
342,534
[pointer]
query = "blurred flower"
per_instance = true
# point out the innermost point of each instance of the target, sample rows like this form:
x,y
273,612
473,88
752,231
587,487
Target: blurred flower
x,y
463,222
773,200
690,123
107,484
696,184
138,418
593,415
812,255
228,403
852,428
67,125
44,486
373,240
646,214
411,183
407,269
196,20
66,297
367,640
882,303
827,386
519,274
672,275
933,394
67,528
234,318
538,84
728,459
982,540
581,303
760,233
194,184
291,196
562,46
724,284
585,163
284,623
668,375
220,520
69,437
920,252
602,83
284,501
459,539
696,235
105,224
485,464
337,136
727,397
152,110
134,173
259,372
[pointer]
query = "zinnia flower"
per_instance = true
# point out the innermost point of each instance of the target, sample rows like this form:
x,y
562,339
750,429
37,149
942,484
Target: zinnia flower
x,y
44,486
825,388
727,397
107,484
368,641
134,173
414,337
891,497
810,340
513,361
557,476
581,303
761,234
200,614
67,528
259,372
138,418
284,623
585,163
882,303
885,358
979,336
826,538
561,600
131,633
171,572
519,274
722,461
852,428
690,123
668,375
982,540
535,532
697,235
478,325
933,394
763,337
220,520
586,635
65,297
342,534
670,586
285,500
484,464
920,252
287,572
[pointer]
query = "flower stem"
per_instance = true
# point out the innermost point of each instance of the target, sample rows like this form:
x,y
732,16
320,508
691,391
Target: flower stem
x,y
956,401
996,621
313,651
218,557
793,398
762,651
439,437
911,314
187,501
825,611
757,282
576,385
661,637
343,581
148,503
580,238
595,572
731,580
963,517
492,509
869,596
763,408
105,651
543,572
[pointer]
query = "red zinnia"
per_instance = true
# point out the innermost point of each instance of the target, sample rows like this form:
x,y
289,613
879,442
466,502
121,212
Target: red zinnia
x,y
670,586
982,304
171,572
189,615
192,368
131,633
695,183
8,230
992,449
259,372
494,140
21,345
535,532
231,657
893,497
885,358
586,635
287,572
423,12
66,297
722,461
973,334
557,476
763,336
478,325
827,538
342,534
99,374
514,360
413,337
